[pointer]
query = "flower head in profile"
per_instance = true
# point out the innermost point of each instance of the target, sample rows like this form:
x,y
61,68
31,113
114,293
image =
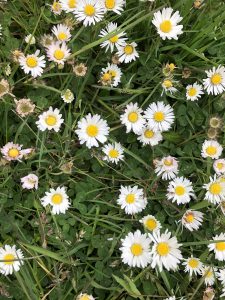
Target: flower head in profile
x,y
111,75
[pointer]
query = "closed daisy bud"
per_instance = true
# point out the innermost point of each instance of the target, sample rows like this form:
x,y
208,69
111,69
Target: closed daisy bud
x,y
51,120
215,82
209,274
215,190
167,167
127,52
211,149
11,260
30,39
113,152
218,247
24,107
192,219
133,119
85,297
29,182
150,223
215,122
193,265
194,91
135,250
80,70
180,190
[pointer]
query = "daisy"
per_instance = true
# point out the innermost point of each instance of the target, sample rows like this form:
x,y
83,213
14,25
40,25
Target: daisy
x,y
57,199
58,52
165,251
85,297
167,167
166,23
211,149
92,130
193,265
33,64
218,248
111,75
135,250
160,117
89,12
180,190
62,33
127,52
30,39
192,219
13,151
221,276
56,7
113,152
194,91
68,5
215,83
215,190
67,96
50,119
132,199
219,166
209,274
114,41
114,5
11,259
149,137
132,118
29,182
168,86
151,223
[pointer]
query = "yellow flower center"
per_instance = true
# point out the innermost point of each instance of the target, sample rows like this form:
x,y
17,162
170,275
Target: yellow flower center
x,y
166,26
171,67
106,77
50,120
163,248
130,198
62,36
128,49
193,263
10,259
167,83
59,54
114,39
72,3
179,190
57,199
220,246
216,79
211,150
13,152
192,92
31,62
113,153
215,188
110,4
189,218
89,10
151,224
148,134
85,297
56,6
136,249
159,116
133,117
168,162
92,130
112,73
220,165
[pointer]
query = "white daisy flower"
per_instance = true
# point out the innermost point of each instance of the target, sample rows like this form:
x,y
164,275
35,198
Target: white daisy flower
x,y
32,63
166,23
11,259
58,52
168,86
193,265
111,75
149,137
219,166
180,190
215,190
57,199
85,297
132,118
215,83
13,151
167,167
115,41
61,32
30,39
132,199
135,250
209,274
50,119
127,52
56,7
67,96
68,5
151,223
29,182
221,276
165,251
160,117
194,91
92,130
218,248
113,152
211,149
114,5
192,219
89,11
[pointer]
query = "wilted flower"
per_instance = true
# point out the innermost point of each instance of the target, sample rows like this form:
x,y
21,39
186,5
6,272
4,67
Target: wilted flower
x,y
80,70
24,107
